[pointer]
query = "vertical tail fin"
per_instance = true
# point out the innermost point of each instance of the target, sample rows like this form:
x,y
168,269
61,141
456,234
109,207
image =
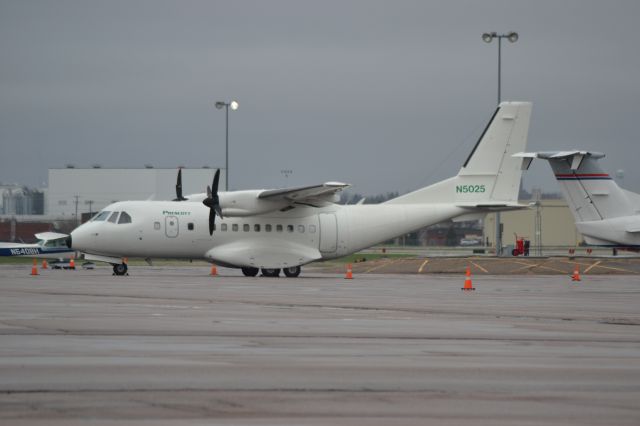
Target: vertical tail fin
x,y
590,192
491,174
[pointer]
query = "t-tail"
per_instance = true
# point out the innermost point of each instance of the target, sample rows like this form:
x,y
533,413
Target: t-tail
x,y
604,213
590,192
490,177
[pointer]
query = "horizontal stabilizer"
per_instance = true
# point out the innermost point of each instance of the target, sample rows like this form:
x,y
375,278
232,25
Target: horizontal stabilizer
x,y
490,207
633,227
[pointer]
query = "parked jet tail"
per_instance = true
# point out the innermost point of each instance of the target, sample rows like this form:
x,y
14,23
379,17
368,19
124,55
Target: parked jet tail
x,y
590,192
605,214
490,177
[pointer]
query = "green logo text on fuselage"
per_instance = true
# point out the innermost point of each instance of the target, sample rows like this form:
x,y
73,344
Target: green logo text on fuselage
x,y
467,189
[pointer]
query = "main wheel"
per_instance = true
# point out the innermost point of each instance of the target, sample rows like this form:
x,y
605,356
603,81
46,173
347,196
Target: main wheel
x,y
292,272
270,272
250,272
120,268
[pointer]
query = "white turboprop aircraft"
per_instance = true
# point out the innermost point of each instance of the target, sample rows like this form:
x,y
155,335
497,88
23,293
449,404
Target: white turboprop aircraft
x,y
50,245
605,214
286,228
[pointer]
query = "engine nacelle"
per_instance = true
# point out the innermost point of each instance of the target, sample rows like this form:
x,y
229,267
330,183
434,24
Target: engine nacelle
x,y
247,203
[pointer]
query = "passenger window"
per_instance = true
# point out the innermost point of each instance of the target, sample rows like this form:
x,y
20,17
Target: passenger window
x,y
301,229
267,227
156,226
234,227
114,217
246,227
190,226
223,227
278,228
256,227
312,229
289,228
124,218
101,216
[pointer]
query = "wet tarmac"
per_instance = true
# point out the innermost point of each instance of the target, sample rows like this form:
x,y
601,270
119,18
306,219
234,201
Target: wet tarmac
x,y
173,345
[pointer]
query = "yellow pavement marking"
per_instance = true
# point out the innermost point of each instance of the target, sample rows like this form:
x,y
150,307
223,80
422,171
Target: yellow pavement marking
x,y
553,269
479,267
604,267
423,265
526,266
381,266
594,265
618,269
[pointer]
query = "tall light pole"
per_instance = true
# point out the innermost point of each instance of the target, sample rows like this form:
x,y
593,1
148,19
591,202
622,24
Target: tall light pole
x,y
234,106
488,38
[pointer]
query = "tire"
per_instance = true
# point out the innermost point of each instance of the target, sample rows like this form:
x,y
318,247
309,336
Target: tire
x,y
292,272
120,269
250,272
269,272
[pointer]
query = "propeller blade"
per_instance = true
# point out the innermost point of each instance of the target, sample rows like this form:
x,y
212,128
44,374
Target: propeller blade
x,y
213,202
212,221
216,179
179,196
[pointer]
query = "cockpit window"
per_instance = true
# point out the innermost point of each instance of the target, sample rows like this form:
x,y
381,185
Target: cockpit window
x,y
124,218
59,242
101,216
114,217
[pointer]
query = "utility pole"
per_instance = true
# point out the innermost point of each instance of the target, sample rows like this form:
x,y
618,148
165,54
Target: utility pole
x,y
76,201
90,203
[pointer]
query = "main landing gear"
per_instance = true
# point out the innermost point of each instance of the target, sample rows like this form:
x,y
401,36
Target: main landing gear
x,y
120,269
250,272
292,272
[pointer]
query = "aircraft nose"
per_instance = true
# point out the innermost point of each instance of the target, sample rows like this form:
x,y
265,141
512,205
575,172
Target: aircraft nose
x,y
77,240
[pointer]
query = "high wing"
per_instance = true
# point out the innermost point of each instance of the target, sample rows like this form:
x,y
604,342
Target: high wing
x,y
50,236
315,195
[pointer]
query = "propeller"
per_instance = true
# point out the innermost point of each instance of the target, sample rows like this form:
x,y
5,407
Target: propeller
x,y
213,202
179,196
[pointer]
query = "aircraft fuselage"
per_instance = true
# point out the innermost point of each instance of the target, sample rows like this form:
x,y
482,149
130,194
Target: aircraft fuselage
x,y
274,240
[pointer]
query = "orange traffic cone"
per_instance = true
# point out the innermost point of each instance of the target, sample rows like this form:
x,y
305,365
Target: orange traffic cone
x,y
214,270
576,274
34,268
44,264
467,281
72,264
349,275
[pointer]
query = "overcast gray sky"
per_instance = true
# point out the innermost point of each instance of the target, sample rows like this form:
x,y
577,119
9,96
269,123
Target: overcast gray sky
x,y
385,95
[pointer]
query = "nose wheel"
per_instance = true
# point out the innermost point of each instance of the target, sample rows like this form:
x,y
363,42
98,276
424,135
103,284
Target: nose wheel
x,y
120,269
